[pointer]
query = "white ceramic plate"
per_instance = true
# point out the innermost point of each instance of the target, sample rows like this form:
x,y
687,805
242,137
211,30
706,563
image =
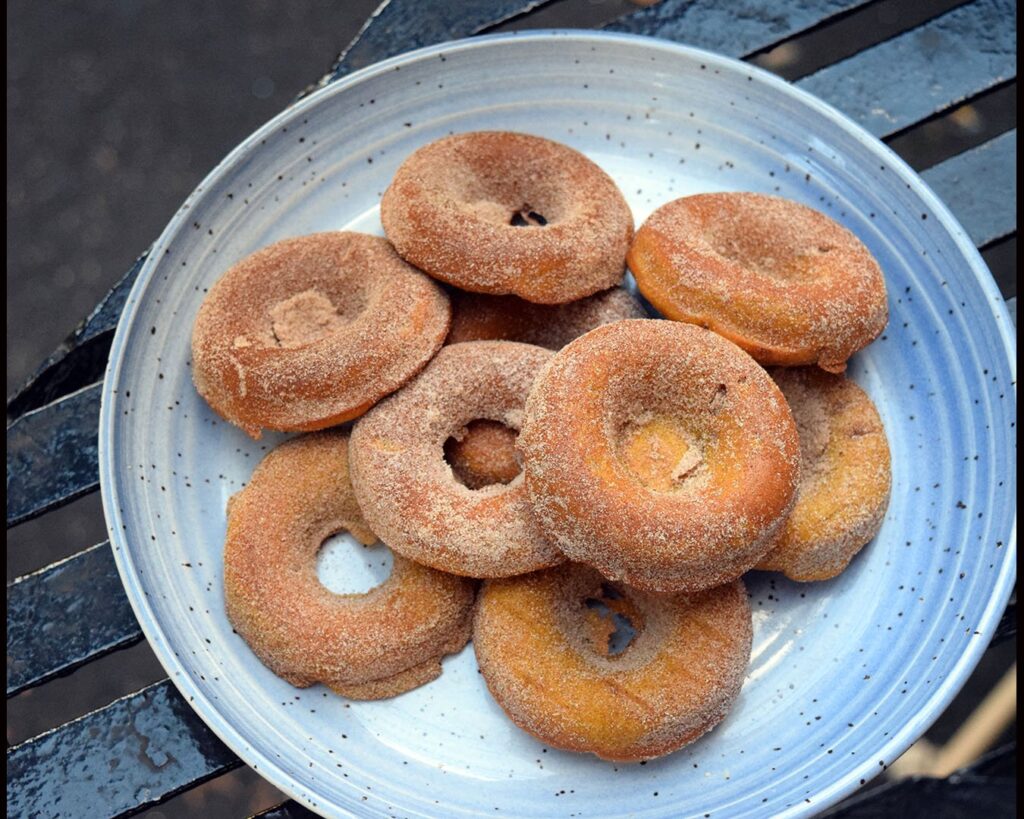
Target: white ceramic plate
x,y
844,674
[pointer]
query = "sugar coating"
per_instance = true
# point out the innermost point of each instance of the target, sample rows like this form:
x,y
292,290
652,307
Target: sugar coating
x,y
364,646
677,679
719,518
312,331
407,490
450,207
785,282
845,480
477,317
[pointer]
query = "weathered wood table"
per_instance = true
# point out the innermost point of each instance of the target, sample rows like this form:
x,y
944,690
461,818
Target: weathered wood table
x,y
142,749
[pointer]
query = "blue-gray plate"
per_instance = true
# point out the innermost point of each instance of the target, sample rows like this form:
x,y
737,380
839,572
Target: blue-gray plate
x,y
844,674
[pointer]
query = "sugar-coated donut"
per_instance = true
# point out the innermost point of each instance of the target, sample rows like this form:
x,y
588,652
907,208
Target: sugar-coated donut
x,y
845,475
545,656
407,490
476,317
364,646
783,281
661,454
500,212
312,331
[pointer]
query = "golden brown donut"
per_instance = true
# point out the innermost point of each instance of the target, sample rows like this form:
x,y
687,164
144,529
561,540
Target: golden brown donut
x,y
364,646
845,476
783,281
484,455
545,657
501,212
661,454
312,331
476,317
407,490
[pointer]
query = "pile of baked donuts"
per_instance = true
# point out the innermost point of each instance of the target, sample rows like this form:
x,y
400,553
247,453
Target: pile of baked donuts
x,y
572,484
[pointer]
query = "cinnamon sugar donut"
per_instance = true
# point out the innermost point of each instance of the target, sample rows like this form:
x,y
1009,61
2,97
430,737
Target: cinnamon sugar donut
x,y
500,212
408,492
312,331
783,281
364,646
548,661
476,317
844,480
661,454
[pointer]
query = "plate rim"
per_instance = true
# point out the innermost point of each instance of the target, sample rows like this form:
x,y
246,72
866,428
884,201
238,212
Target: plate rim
x,y
897,742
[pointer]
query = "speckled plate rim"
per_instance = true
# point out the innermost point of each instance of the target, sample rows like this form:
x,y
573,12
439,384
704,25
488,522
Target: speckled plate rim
x,y
894,745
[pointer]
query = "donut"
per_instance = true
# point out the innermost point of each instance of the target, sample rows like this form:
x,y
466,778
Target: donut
x,y
786,283
364,646
408,492
548,660
659,453
845,475
312,331
477,317
500,212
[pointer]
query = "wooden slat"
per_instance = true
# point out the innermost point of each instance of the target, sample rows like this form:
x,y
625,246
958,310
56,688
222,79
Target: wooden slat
x,y
52,455
890,86
135,752
736,29
980,187
395,28
65,615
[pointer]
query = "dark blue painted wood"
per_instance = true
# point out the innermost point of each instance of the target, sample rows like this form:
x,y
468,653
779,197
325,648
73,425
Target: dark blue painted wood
x,y
64,616
736,28
51,455
397,27
135,752
81,358
892,85
980,187
986,788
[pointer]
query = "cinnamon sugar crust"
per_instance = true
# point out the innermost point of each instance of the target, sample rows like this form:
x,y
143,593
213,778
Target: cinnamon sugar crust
x,y
783,281
407,489
364,646
845,480
661,454
312,331
675,681
507,213
476,317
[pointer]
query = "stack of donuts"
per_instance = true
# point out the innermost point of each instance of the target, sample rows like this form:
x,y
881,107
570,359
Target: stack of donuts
x,y
572,484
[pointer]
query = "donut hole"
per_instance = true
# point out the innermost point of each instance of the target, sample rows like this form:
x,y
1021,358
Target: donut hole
x,y
309,316
509,189
483,454
345,566
611,621
527,217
